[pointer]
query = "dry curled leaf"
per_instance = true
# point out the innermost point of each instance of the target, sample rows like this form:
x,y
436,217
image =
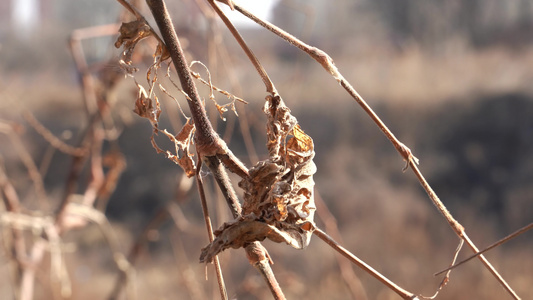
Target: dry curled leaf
x,y
129,35
150,109
182,142
144,107
279,193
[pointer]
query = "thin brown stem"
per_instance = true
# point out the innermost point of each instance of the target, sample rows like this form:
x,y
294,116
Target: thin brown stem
x,y
258,257
208,143
327,62
206,135
251,56
459,229
54,141
330,222
494,245
161,216
221,178
131,8
361,264
256,253
209,226
446,277
12,204
27,160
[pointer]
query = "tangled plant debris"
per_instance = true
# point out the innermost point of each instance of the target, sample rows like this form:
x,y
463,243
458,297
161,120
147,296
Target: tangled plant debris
x,y
278,194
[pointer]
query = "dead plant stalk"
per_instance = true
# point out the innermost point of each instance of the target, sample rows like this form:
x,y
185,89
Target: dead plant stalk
x,y
208,144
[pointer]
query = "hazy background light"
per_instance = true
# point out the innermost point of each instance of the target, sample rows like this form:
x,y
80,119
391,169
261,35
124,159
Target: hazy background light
x,y
25,15
260,8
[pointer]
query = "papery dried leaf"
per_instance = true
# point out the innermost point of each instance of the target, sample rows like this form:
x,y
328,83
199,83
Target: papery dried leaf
x,y
162,52
182,142
130,34
241,232
300,142
278,194
144,107
186,133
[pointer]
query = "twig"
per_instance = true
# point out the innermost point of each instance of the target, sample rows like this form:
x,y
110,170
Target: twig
x,y
207,219
446,277
350,278
361,264
221,178
12,204
156,221
494,245
251,56
459,229
259,258
51,138
27,160
190,281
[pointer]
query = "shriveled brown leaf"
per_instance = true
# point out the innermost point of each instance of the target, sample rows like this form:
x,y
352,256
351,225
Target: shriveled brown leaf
x,y
144,107
150,109
182,142
279,193
241,232
129,35
162,51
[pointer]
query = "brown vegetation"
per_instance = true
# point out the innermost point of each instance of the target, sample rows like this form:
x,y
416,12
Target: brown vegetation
x,y
464,111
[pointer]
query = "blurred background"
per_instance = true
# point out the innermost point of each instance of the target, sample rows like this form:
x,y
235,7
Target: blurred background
x,y
452,79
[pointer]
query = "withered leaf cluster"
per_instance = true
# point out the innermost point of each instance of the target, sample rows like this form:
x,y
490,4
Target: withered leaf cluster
x,y
147,105
278,194
150,109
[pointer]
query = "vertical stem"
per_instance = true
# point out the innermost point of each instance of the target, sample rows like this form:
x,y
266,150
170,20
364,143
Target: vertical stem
x,y
205,134
251,56
256,253
221,177
207,219
259,258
